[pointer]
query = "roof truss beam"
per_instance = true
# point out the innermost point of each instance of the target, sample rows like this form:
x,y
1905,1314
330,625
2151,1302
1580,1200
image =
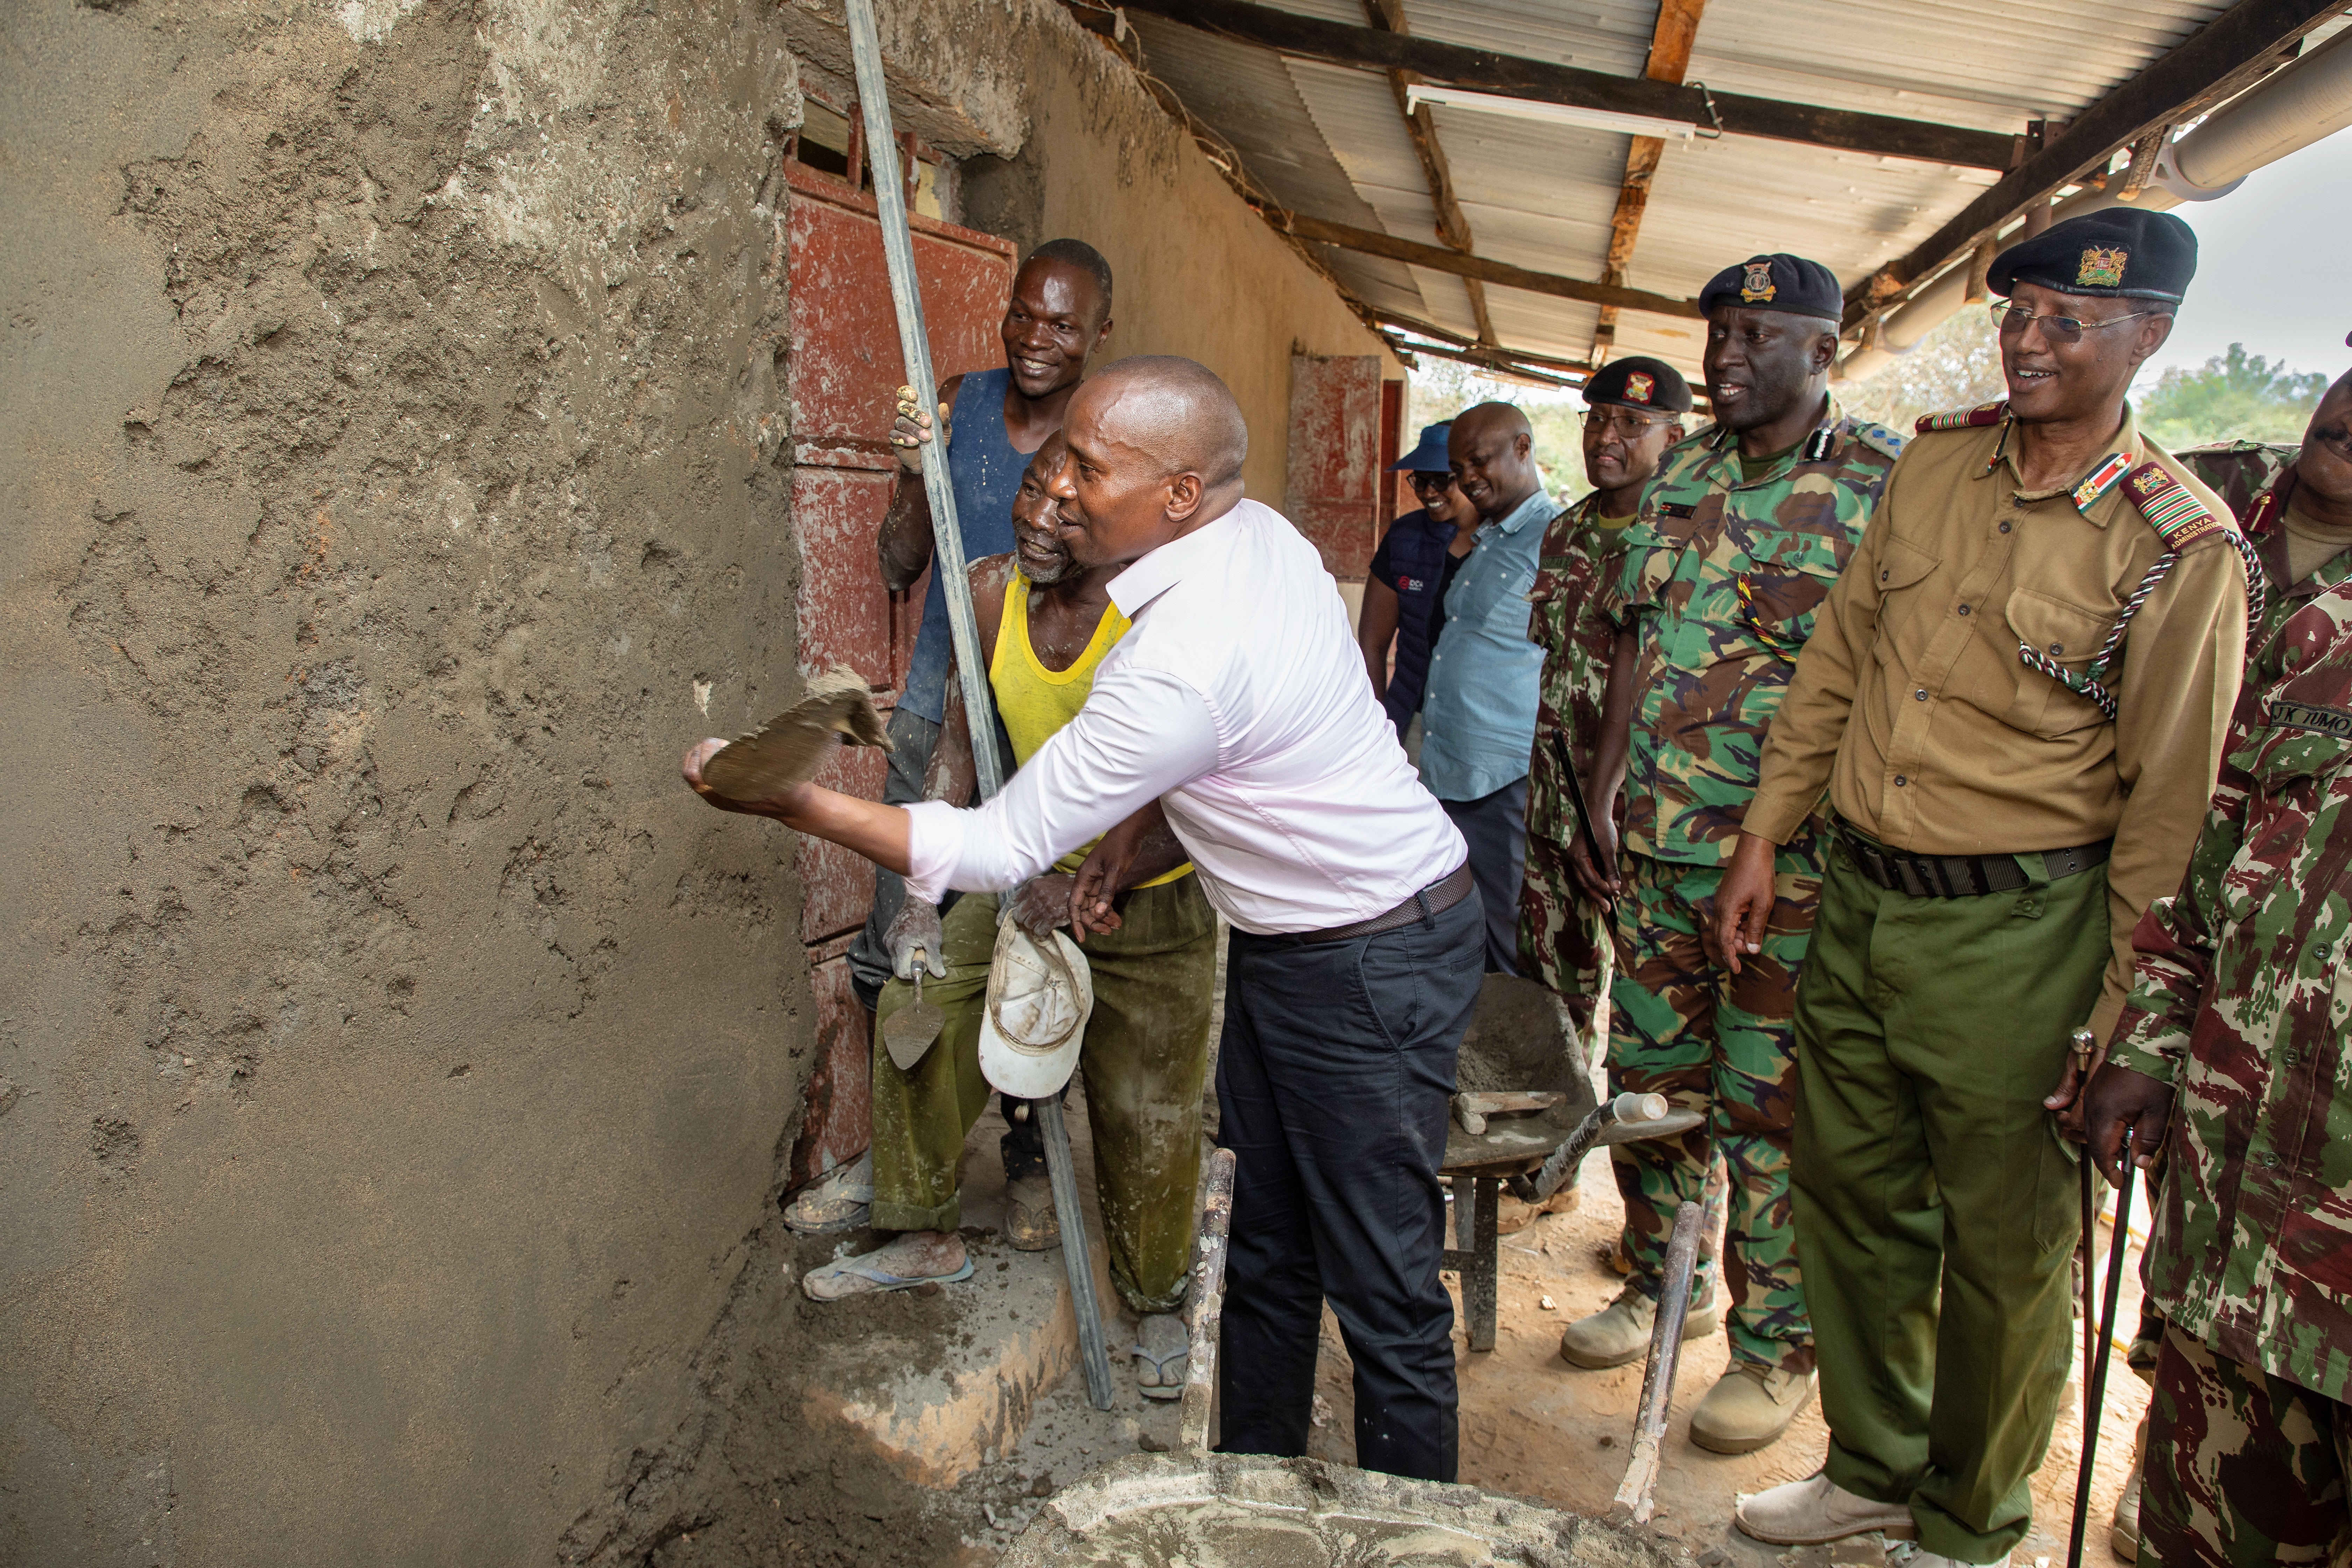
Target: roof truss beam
x,y
1439,259
2211,65
1309,37
1421,130
1671,42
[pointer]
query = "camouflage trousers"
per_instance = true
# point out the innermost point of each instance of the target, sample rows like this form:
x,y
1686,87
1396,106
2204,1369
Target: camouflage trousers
x,y
2243,1467
1723,1045
1563,936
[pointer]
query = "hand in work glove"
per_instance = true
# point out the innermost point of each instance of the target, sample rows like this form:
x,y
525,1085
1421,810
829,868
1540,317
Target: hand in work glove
x,y
911,431
1041,903
916,929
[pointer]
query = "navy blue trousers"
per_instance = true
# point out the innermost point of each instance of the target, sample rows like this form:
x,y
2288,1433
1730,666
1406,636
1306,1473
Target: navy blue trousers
x,y
1332,1082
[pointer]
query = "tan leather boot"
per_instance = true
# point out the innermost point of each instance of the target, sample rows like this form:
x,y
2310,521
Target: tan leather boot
x,y
1817,1509
1748,1407
1620,1332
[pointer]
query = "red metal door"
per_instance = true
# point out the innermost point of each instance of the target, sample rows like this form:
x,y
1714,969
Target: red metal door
x,y
1335,444
844,375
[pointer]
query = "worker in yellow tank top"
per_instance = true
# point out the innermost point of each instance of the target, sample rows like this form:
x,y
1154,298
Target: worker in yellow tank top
x,y
1044,626
1034,701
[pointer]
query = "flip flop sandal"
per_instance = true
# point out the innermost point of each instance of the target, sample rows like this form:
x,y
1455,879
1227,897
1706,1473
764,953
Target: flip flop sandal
x,y
842,1199
877,1279
1168,1365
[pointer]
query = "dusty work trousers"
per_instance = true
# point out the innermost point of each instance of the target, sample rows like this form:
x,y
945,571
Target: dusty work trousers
x,y
1936,1207
1144,1059
2243,1468
1722,1045
912,739
1332,1078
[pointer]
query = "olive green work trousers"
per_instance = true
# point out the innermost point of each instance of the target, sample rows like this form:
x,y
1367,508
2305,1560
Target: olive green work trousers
x,y
1145,1062
1936,1207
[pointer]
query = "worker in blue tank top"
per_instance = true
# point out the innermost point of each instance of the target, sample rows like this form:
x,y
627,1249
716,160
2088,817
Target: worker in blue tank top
x,y
994,419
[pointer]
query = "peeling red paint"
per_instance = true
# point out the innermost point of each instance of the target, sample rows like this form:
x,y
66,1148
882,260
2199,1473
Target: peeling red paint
x,y
1333,488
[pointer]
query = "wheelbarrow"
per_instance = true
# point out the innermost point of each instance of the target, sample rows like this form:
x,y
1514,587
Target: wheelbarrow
x,y
1193,1509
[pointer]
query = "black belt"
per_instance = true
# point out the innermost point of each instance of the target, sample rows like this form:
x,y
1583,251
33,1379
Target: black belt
x,y
1434,899
1963,876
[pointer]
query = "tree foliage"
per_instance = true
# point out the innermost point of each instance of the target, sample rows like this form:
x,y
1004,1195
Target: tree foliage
x,y
2233,397
1957,366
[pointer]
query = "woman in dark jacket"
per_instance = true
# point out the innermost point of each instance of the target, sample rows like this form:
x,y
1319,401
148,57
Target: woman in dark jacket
x,y
1404,596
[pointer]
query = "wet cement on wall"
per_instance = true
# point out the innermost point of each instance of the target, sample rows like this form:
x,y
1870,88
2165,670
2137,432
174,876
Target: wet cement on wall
x,y
396,1057
396,1066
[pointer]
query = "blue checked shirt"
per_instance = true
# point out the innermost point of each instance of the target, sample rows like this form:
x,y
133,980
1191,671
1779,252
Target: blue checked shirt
x,y
1478,719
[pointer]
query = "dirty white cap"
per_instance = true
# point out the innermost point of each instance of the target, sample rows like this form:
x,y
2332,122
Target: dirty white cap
x,y
1040,994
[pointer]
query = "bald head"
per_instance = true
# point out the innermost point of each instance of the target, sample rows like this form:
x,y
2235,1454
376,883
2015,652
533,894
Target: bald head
x,y
1156,450
1493,452
1175,411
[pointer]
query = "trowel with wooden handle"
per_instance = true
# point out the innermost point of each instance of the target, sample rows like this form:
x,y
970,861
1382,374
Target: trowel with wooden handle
x,y
908,1033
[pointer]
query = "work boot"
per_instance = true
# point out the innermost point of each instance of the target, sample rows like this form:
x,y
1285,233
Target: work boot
x,y
1620,1332
1817,1509
2123,1530
1748,1407
1030,1221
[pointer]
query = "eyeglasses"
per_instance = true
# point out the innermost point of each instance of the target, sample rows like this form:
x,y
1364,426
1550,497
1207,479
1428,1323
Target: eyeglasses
x,y
1618,422
1427,483
2013,318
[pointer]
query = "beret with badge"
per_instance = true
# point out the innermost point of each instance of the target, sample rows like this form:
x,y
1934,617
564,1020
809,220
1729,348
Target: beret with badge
x,y
1640,381
1776,282
2118,253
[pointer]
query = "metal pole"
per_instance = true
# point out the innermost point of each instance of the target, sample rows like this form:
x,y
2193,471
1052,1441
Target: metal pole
x,y
2115,1250
1634,1492
963,626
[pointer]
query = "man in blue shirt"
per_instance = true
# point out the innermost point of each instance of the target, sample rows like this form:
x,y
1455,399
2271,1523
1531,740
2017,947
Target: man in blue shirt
x,y
1479,713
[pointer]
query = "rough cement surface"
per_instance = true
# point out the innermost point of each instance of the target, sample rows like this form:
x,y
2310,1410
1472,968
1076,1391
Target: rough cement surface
x,y
398,1057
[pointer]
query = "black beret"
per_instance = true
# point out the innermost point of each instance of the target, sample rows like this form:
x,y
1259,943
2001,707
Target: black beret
x,y
1776,282
2119,252
1640,383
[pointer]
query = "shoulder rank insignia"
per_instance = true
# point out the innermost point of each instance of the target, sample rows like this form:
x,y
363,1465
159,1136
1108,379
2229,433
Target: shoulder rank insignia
x,y
1963,419
1879,439
2175,514
1819,445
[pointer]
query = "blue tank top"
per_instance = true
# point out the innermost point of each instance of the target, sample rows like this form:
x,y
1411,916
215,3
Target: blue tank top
x,y
985,472
1412,560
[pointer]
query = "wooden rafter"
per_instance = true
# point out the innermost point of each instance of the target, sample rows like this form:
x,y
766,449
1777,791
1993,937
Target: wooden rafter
x,y
1437,258
1420,128
2211,65
1309,37
1671,41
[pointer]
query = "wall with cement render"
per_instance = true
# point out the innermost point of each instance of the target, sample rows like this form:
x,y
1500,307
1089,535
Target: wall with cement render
x,y
396,1063
395,1056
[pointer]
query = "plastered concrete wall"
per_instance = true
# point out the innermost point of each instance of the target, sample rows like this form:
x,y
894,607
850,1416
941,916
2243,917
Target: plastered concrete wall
x,y
395,1055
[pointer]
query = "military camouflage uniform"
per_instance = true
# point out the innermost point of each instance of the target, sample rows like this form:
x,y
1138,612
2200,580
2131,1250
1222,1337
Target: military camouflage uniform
x,y
1563,936
2241,473
1721,577
2240,1001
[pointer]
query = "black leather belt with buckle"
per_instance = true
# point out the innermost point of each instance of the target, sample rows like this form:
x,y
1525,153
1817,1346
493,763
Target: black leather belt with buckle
x,y
1964,876
1434,899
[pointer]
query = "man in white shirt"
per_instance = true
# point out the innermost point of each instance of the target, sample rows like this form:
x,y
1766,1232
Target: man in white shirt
x,y
1238,700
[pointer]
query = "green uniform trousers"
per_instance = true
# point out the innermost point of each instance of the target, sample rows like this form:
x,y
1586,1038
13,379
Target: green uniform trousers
x,y
1144,1059
1937,1206
1722,1045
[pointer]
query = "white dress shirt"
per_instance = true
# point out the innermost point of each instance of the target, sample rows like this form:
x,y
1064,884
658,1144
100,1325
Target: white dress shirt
x,y
1238,700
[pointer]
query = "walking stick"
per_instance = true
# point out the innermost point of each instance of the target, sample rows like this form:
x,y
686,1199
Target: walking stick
x,y
963,626
2086,1255
2106,1347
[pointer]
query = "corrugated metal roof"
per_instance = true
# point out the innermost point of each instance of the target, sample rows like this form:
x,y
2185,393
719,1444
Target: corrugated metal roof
x,y
1541,195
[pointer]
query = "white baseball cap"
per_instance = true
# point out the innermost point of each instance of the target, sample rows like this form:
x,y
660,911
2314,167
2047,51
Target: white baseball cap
x,y
1040,994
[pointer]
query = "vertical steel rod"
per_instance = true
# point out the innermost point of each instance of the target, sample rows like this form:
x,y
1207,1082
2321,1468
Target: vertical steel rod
x,y
1207,1305
963,626
1634,1493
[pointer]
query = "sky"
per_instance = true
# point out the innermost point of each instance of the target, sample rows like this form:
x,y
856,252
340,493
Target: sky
x,y
2270,258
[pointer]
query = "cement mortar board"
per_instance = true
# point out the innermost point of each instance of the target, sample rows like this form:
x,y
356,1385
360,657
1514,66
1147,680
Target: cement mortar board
x,y
1214,1503
958,68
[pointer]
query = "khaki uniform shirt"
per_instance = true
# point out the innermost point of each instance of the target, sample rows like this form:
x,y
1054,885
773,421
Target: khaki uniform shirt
x,y
1911,704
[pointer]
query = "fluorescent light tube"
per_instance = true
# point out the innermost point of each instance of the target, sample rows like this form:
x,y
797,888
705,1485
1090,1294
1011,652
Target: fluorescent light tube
x,y
1551,113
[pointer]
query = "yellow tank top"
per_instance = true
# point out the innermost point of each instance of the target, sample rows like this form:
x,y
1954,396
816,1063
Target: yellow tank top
x,y
1034,701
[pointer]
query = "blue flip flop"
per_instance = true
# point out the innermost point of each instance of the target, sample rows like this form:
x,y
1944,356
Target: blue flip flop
x,y
882,1278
